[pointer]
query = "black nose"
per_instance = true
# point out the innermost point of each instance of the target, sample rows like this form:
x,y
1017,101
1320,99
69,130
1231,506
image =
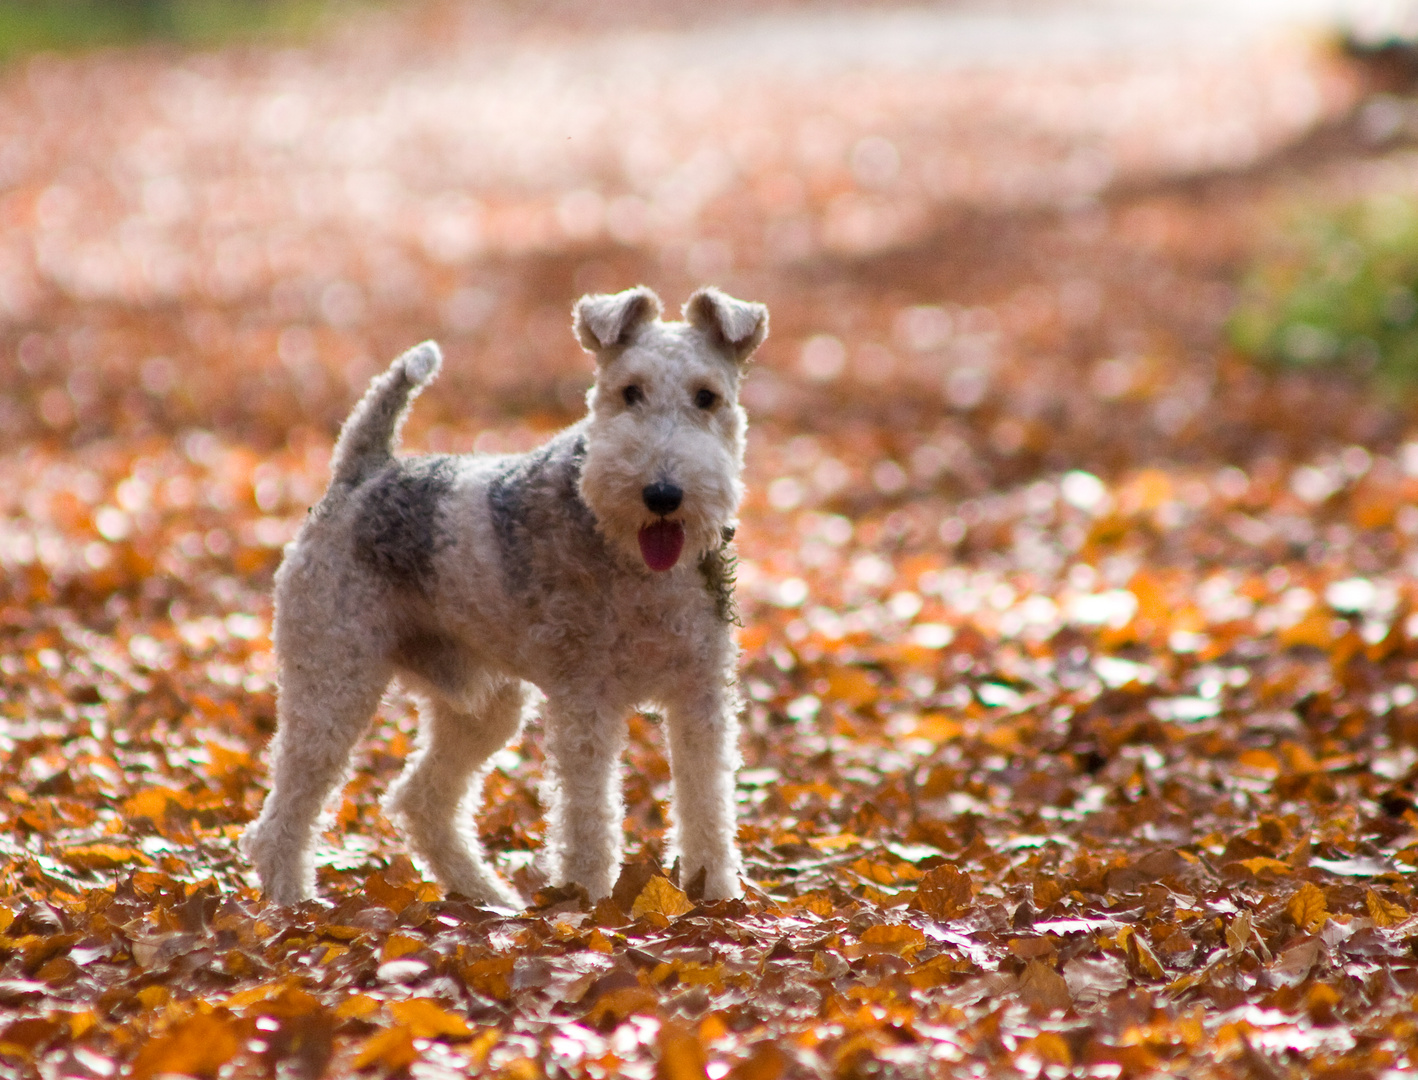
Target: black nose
x,y
662,498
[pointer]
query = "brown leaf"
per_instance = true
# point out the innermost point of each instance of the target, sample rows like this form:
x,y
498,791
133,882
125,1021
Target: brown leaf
x,y
944,893
1141,960
1238,933
1294,963
1043,989
634,876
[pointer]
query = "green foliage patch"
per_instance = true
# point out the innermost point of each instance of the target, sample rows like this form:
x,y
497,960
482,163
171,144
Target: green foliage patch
x,y
28,26
1341,293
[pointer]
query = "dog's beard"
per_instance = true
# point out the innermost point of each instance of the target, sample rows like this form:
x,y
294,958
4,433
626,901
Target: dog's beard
x,y
660,544
613,480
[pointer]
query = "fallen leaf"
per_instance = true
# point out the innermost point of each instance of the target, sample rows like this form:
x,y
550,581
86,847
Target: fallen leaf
x,y
1043,989
426,1019
944,893
102,856
660,897
681,1056
1385,913
1141,960
197,1046
1307,908
393,1048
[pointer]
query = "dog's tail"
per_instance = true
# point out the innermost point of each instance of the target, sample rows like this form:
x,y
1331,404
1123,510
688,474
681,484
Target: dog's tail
x,y
371,433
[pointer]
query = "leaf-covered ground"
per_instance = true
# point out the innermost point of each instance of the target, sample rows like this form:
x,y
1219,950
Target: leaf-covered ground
x,y
1081,656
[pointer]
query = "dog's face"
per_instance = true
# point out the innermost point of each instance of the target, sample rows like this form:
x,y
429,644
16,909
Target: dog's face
x,y
665,447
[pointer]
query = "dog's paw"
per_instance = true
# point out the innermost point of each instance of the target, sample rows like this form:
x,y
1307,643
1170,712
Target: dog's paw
x,y
723,885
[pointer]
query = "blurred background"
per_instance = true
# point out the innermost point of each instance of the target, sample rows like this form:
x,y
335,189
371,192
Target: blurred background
x,y
999,240
1012,230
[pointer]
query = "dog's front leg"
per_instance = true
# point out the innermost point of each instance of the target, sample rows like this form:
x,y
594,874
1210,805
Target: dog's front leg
x,y
586,818
704,753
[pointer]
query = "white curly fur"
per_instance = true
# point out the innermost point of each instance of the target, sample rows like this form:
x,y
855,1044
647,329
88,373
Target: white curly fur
x,y
467,577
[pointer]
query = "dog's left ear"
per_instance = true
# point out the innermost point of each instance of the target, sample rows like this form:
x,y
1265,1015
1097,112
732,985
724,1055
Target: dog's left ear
x,y
735,326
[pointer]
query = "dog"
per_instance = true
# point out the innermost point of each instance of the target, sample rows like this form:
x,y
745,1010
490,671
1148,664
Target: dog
x,y
597,568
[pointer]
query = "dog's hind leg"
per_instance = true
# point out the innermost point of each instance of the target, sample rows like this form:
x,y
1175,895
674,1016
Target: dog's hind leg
x,y
326,702
586,819
437,795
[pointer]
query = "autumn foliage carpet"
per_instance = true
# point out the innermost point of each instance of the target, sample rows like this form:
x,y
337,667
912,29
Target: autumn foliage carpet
x,y
1081,655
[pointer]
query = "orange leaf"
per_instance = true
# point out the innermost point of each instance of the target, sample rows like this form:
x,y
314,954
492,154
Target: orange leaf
x,y
1262,762
836,842
253,994
102,856
198,1046
618,1004
382,891
1316,629
1047,892
290,1003
768,1062
817,903
1385,913
393,1048
1307,908
1050,1047
681,1056
357,1007
660,897
893,937
937,971
398,945
152,803
853,686
429,1020
491,976
1263,864
598,941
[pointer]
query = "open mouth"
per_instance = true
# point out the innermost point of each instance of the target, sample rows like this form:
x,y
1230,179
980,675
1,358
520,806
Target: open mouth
x,y
661,543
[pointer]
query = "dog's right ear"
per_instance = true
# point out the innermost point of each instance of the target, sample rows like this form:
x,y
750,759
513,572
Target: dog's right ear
x,y
604,321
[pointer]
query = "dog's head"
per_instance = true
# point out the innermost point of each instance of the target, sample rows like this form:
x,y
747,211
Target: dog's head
x,y
664,450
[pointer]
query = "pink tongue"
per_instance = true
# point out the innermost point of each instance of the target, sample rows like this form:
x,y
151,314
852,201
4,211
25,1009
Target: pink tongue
x,y
661,543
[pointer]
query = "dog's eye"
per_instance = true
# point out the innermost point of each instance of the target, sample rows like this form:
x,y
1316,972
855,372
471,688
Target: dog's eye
x,y
632,394
706,399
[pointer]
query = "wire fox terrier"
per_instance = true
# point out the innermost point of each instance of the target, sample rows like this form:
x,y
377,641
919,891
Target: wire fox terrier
x,y
596,568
